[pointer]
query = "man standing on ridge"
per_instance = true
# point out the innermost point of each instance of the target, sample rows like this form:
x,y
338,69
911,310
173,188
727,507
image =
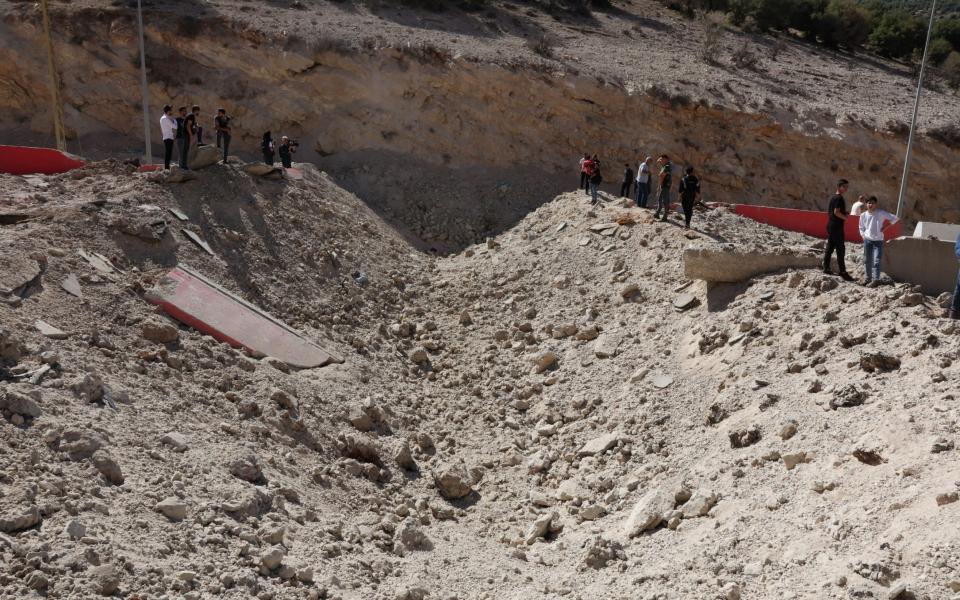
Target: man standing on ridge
x,y
183,135
584,178
836,217
168,131
663,194
627,181
643,182
222,124
873,223
689,194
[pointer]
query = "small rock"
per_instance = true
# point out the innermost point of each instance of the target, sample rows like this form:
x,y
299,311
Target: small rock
x,y
742,438
452,480
175,440
172,508
75,529
107,467
159,332
272,557
649,512
947,498
599,445
788,430
105,579
544,361
793,459
20,404
847,396
540,528
410,537
699,504
247,468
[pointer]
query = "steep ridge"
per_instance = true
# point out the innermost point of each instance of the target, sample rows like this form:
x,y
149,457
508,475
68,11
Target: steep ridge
x,y
530,418
454,146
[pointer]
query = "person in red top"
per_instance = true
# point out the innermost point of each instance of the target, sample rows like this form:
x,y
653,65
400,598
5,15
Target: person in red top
x,y
584,180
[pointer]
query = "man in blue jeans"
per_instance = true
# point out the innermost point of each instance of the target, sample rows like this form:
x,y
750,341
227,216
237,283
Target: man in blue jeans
x,y
873,223
955,307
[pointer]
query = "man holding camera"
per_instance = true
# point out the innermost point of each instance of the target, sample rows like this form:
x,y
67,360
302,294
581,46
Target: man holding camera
x,y
286,150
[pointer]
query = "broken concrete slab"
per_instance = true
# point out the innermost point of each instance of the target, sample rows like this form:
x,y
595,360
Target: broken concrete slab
x,y
931,264
194,300
730,265
16,272
199,241
48,330
72,285
99,262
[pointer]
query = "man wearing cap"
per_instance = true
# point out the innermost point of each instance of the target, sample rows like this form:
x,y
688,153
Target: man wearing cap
x,y
285,150
643,182
222,124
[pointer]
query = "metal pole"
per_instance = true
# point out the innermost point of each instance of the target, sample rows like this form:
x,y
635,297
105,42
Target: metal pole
x,y
144,92
901,200
55,98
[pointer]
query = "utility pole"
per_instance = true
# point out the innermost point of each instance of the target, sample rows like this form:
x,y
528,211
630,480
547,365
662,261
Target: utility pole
x,y
902,199
55,99
143,90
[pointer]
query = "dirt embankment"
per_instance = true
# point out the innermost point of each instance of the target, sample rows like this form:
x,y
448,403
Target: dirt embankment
x,y
449,149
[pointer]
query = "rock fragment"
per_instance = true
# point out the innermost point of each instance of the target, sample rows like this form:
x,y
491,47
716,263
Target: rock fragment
x,y
107,466
247,468
172,508
159,332
649,512
452,481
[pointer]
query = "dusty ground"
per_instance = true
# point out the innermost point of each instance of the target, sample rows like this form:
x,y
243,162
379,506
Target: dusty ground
x,y
529,418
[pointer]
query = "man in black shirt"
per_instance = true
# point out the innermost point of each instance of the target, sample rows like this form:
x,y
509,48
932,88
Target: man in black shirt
x,y
836,216
627,182
222,125
184,131
285,150
689,194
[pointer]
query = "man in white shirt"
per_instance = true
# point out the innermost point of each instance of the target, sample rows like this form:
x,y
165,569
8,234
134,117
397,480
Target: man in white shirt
x,y
168,129
873,223
859,206
643,182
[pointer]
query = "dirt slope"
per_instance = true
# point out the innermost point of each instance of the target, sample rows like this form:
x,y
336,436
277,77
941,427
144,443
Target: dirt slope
x,y
653,454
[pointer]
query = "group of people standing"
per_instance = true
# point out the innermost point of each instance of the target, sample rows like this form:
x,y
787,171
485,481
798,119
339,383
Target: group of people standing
x,y
689,188
286,149
186,131
873,223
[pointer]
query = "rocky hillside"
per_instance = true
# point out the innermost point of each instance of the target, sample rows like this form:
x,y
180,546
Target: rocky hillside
x,y
553,413
384,99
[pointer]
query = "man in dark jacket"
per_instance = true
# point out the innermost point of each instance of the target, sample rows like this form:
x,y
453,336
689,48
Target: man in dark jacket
x,y
689,194
836,217
627,182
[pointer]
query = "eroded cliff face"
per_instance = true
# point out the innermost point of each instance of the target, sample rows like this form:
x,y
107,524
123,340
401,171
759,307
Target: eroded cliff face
x,y
449,150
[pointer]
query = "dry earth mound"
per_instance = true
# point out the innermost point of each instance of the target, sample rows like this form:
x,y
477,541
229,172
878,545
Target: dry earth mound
x,y
554,413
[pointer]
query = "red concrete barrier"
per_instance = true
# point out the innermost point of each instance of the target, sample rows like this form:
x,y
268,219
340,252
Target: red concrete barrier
x,y
24,160
810,222
194,300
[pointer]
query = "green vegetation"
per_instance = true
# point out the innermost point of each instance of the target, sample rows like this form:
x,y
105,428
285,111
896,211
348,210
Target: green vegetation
x,y
892,31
